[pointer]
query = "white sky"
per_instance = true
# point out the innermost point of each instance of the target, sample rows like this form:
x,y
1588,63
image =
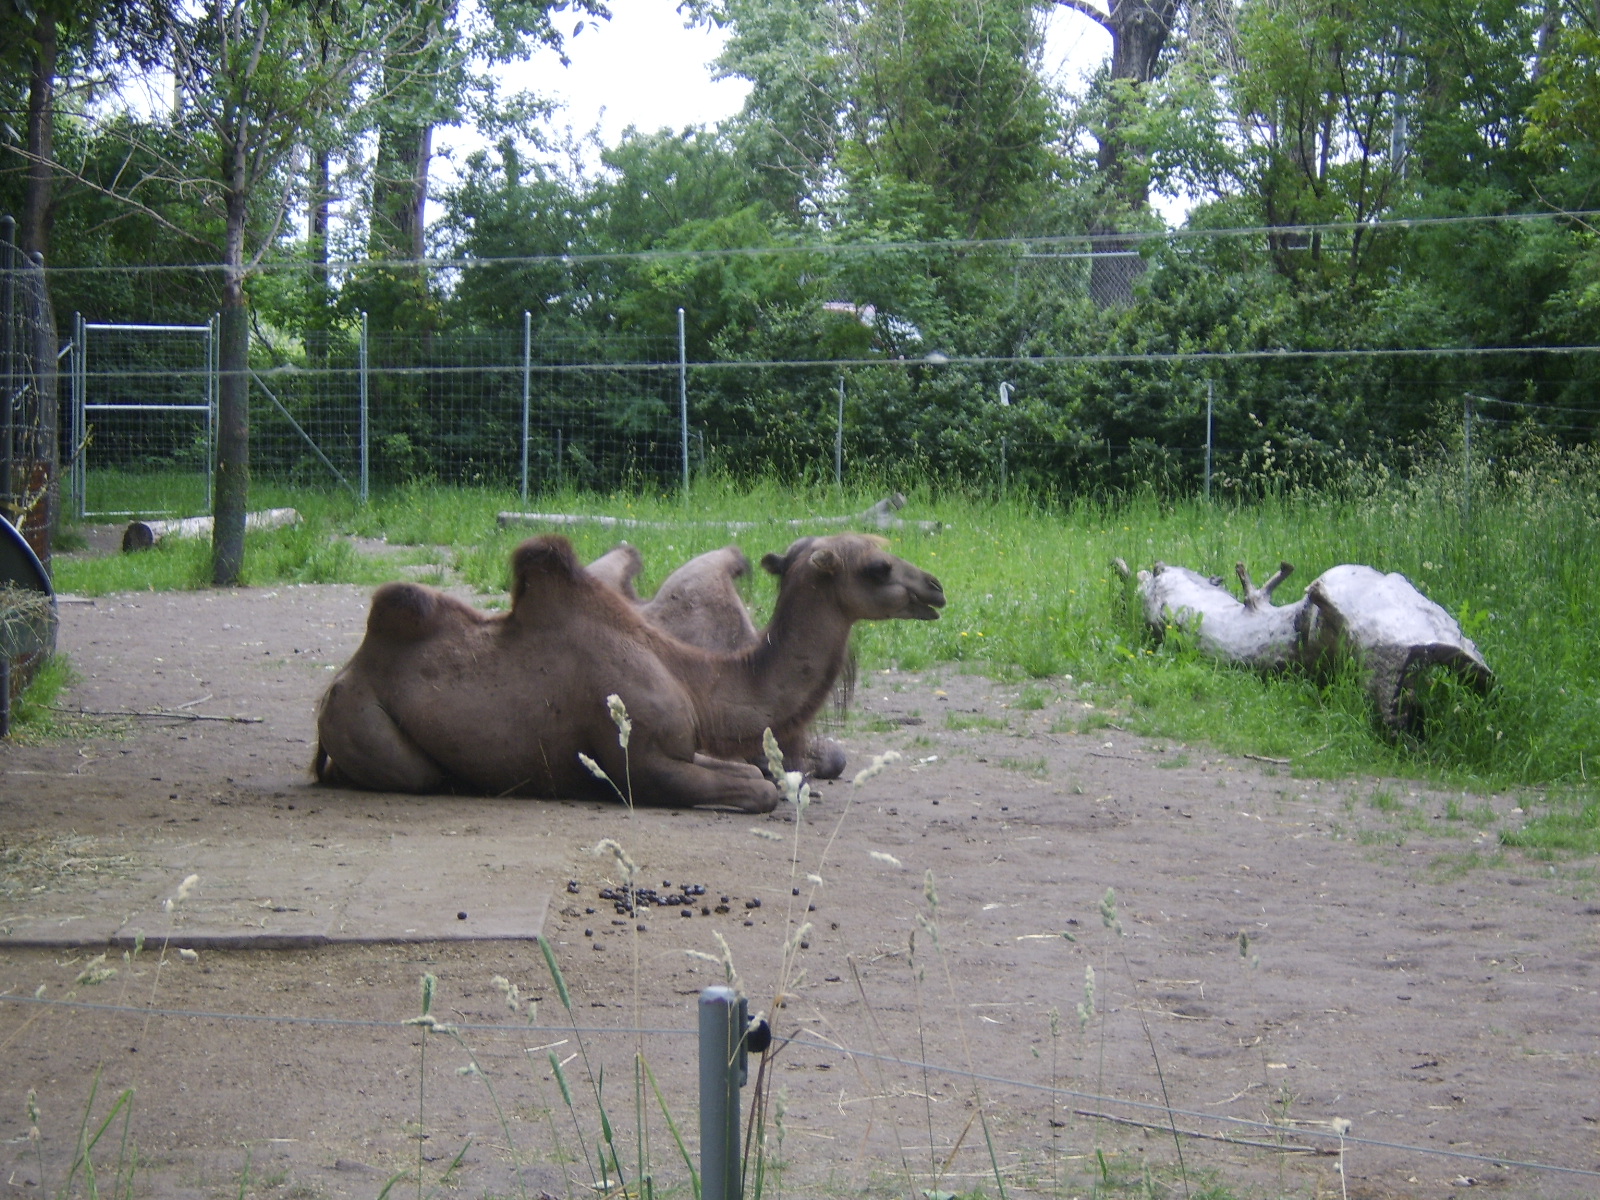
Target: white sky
x,y
643,68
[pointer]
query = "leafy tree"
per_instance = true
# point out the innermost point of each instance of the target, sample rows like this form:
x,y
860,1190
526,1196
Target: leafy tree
x,y
42,41
253,76
1139,31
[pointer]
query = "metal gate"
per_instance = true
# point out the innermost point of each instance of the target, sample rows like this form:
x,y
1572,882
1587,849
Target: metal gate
x,y
144,404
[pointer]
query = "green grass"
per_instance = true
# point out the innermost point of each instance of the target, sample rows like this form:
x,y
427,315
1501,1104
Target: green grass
x,y
1033,596
33,720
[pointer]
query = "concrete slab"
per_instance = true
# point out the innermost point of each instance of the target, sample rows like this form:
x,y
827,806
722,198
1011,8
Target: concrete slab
x,y
405,888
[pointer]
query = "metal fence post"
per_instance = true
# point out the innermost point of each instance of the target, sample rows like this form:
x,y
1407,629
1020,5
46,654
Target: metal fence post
x,y
213,328
365,443
527,366
683,400
1210,387
722,1073
838,439
80,432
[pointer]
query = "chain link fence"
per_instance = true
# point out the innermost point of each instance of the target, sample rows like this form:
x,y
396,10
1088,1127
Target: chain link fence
x,y
1054,392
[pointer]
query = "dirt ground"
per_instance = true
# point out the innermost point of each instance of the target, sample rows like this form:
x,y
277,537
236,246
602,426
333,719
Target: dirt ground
x,y
1400,974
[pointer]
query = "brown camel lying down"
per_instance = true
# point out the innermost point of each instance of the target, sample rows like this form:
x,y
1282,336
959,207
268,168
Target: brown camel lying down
x,y
440,695
699,603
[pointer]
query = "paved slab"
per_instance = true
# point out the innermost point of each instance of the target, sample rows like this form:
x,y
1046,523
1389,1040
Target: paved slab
x,y
400,888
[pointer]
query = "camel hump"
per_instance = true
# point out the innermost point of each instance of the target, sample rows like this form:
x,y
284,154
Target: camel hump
x,y
543,565
737,562
618,567
405,612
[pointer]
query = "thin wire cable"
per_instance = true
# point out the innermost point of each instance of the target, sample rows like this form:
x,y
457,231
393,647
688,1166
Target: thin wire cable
x,y
333,1022
811,1041
974,360
1166,1110
1121,240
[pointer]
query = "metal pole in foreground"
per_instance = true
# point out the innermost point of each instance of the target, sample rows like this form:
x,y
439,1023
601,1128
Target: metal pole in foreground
x,y
683,400
722,1071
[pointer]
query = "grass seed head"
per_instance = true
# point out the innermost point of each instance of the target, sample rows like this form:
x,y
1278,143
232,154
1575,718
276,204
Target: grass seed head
x,y
888,860
1108,912
613,847
619,717
508,992
875,767
769,743
594,768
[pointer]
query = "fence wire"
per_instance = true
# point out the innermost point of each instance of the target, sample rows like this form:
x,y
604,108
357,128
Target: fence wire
x,y
1076,364
1164,1113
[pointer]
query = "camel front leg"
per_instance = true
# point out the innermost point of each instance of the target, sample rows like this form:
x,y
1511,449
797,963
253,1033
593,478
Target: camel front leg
x,y
358,743
709,782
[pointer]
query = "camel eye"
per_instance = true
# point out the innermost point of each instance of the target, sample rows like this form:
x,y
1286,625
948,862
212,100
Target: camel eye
x,y
877,571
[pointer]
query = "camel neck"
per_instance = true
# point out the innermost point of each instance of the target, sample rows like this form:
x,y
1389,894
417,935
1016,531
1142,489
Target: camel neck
x,y
787,675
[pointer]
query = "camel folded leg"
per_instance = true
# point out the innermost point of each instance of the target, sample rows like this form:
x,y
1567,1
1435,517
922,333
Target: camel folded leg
x,y
358,743
707,781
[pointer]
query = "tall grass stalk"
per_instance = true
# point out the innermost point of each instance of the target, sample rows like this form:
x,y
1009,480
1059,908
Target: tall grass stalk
x,y
605,1168
930,924
89,1138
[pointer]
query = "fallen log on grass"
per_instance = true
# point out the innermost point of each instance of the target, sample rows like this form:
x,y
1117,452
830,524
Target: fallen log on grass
x,y
879,516
141,535
1392,631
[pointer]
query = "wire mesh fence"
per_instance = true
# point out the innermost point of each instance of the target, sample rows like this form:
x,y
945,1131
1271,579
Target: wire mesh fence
x,y
1010,366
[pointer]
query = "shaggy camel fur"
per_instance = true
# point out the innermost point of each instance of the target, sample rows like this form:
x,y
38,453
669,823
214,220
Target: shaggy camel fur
x,y
440,695
699,603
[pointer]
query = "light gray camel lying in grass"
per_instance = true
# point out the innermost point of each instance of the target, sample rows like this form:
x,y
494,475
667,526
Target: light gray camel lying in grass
x,y
440,695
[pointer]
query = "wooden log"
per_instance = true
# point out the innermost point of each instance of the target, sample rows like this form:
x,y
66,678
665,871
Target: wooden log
x,y
878,516
141,535
1252,632
1383,622
1394,631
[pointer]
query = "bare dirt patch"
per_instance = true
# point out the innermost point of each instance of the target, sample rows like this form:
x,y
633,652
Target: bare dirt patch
x,y
1433,999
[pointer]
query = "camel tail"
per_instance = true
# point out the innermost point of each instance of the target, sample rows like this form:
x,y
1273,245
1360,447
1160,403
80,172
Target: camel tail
x,y
322,768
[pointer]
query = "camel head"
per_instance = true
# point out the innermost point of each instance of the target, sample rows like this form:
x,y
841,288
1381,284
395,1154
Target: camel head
x,y
858,572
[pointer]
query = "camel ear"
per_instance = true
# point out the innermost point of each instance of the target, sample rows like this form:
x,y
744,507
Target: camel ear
x,y
826,561
775,564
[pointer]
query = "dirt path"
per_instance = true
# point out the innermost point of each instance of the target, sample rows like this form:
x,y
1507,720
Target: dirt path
x,y
1387,982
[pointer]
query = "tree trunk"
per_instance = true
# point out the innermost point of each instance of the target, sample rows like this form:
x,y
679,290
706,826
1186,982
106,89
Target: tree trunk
x,y
41,131
1392,630
232,497
1139,30
400,191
